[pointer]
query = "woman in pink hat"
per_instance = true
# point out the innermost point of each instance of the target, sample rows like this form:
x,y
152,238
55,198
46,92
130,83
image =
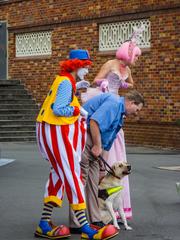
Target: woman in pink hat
x,y
115,75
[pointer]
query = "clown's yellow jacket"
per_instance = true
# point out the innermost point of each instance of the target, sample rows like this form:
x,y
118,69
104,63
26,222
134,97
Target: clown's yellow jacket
x,y
46,113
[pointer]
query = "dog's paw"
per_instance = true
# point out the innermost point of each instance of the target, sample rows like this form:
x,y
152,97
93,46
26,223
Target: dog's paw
x,y
128,228
117,226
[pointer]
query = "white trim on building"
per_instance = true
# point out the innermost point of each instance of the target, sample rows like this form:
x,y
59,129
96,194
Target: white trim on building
x,y
33,44
112,35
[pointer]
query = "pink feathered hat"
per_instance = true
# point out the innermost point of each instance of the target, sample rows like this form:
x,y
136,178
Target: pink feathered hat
x,y
127,52
129,49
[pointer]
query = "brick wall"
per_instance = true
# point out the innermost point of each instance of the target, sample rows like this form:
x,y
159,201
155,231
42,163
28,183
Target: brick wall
x,y
153,134
156,74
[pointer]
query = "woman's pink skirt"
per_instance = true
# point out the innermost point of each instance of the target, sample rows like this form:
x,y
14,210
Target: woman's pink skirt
x,y
91,92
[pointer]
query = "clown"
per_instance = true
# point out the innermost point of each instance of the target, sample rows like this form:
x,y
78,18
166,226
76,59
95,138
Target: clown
x,y
61,137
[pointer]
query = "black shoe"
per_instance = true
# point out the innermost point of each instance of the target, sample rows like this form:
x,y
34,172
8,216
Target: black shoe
x,y
120,222
98,224
111,222
75,230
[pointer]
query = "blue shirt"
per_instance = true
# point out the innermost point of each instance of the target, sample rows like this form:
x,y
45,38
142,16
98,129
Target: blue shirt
x,y
107,110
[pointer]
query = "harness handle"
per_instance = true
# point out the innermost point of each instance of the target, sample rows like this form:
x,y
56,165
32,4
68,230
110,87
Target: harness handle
x,y
106,166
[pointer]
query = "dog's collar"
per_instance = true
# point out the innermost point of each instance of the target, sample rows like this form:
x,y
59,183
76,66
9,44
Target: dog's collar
x,y
108,168
105,193
112,173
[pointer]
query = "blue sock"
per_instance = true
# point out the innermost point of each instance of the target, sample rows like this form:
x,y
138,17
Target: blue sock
x,y
88,230
44,225
85,228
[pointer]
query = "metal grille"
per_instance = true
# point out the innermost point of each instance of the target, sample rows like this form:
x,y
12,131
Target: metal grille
x,y
33,44
112,35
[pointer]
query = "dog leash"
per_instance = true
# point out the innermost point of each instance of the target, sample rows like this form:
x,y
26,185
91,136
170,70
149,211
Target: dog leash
x,y
106,166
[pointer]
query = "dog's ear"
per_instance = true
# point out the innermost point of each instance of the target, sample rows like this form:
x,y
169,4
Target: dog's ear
x,y
114,167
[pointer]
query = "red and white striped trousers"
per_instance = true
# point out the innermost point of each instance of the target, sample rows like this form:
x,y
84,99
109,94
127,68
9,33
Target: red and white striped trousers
x,y
62,147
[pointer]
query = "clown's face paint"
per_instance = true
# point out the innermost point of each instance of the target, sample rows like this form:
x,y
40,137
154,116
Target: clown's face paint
x,y
82,72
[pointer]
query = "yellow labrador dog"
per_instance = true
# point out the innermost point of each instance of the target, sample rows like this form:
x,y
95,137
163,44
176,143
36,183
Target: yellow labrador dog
x,y
110,194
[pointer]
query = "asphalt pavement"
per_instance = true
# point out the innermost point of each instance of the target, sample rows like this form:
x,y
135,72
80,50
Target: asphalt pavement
x,y
155,199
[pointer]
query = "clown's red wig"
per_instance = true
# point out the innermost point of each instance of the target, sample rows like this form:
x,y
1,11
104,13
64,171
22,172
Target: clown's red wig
x,y
73,64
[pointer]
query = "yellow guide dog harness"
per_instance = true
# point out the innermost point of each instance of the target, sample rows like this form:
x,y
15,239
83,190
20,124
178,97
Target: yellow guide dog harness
x,y
105,193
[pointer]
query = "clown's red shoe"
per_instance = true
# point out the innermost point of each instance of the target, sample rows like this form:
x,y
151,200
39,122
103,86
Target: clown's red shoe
x,y
107,232
48,230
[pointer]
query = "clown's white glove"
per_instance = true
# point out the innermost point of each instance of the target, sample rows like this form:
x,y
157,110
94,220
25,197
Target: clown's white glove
x,y
83,112
82,84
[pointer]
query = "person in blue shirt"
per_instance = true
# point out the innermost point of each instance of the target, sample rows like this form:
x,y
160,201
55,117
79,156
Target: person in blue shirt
x,y
107,111
105,118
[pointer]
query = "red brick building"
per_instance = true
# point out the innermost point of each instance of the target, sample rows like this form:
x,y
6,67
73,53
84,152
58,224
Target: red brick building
x,y
67,24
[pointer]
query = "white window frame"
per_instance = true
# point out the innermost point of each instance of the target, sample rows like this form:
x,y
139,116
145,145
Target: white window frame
x,y
112,35
33,44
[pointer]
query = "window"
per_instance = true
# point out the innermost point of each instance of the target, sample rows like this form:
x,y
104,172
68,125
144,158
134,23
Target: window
x,y
112,35
33,44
